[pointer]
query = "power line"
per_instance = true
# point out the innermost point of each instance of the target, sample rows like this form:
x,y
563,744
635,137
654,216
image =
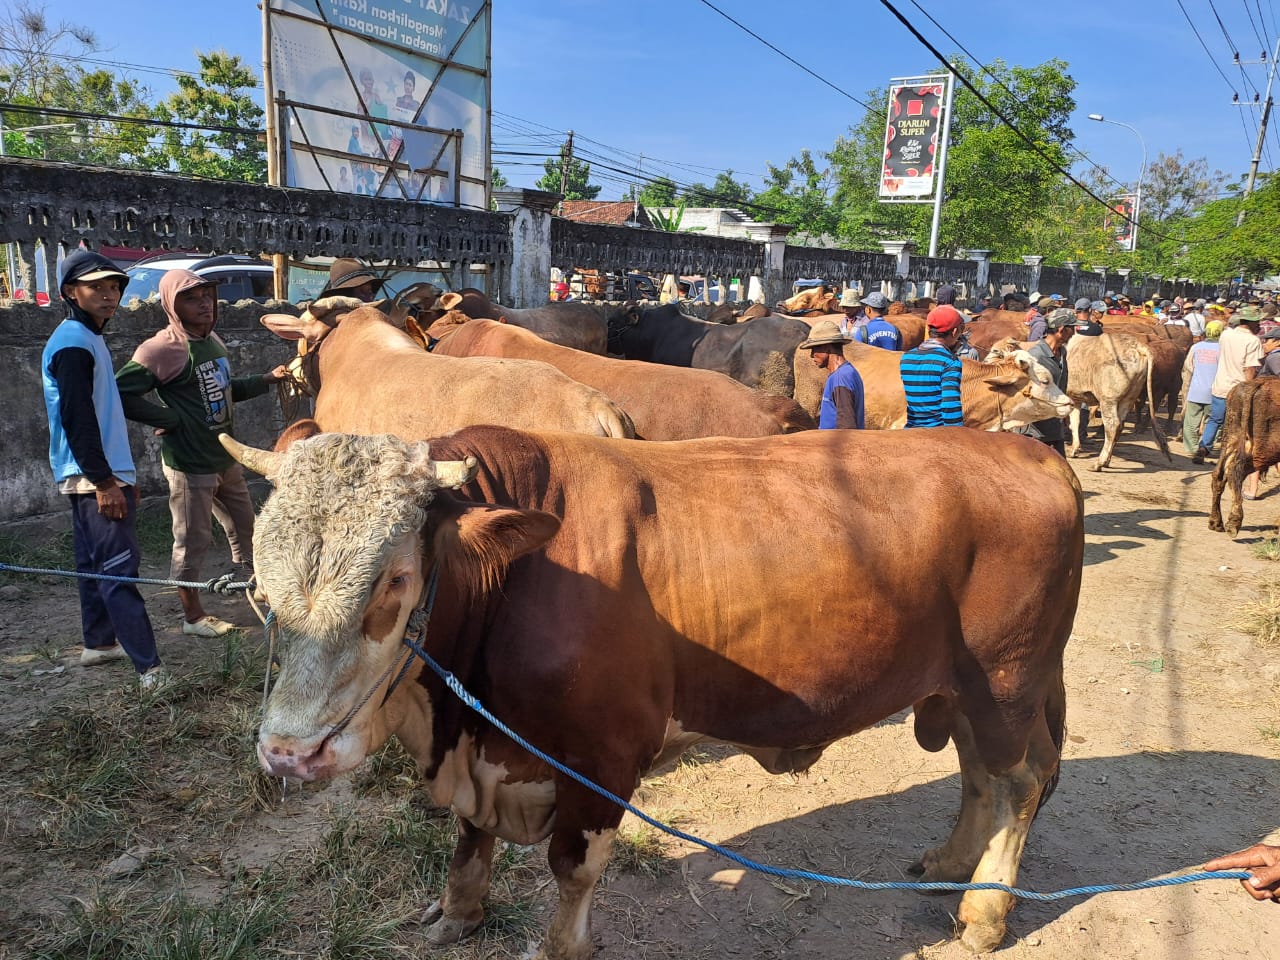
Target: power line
x,y
1036,148
1257,34
143,121
1212,59
784,55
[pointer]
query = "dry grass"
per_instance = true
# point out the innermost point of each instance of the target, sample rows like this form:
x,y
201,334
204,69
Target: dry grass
x,y
640,851
1260,618
1268,549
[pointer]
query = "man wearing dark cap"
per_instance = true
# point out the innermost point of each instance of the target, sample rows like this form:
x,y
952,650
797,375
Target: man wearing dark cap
x,y
1172,316
1239,359
351,278
93,467
843,398
877,331
186,365
1089,314
1051,351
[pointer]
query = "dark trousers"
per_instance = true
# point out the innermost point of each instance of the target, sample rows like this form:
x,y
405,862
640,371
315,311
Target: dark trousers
x,y
111,612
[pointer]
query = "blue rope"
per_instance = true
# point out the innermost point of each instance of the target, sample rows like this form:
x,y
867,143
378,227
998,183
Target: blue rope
x,y
455,685
223,584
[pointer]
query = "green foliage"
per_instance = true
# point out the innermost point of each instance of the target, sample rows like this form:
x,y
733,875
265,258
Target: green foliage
x,y
218,97
497,180
797,193
669,222
660,193
568,175
724,192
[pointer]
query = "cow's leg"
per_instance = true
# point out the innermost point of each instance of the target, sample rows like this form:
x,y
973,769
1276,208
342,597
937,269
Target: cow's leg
x,y
459,911
1015,796
1073,419
1218,483
578,853
957,859
1112,420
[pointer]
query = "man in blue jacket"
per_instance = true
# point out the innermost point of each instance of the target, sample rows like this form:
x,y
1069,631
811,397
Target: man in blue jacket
x,y
93,467
877,331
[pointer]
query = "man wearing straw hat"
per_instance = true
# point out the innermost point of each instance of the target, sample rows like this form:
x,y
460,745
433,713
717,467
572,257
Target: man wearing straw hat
x,y
843,398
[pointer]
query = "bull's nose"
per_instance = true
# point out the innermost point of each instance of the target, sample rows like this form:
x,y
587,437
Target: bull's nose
x,y
285,759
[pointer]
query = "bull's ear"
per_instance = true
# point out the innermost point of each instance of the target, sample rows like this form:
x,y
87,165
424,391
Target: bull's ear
x,y
477,542
1003,379
299,430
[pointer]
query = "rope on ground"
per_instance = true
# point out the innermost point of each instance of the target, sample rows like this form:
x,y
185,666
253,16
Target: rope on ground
x,y
223,584
455,685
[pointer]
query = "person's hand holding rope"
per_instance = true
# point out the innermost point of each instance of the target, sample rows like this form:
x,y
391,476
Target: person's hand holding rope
x,y
1263,862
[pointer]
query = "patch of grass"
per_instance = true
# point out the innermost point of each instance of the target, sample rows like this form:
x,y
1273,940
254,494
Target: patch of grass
x,y
1268,549
50,552
120,926
388,772
1260,618
1270,733
640,851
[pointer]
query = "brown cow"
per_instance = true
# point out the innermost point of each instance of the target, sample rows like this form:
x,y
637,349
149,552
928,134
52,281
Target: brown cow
x,y
1250,441
992,326
364,372
1009,392
578,325
616,602
814,302
665,403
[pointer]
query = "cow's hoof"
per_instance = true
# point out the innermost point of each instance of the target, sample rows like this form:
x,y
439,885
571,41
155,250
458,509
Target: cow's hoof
x,y
1215,525
982,937
442,930
1096,466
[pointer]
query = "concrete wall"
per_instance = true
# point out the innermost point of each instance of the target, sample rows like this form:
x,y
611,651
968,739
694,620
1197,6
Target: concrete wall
x,y
26,482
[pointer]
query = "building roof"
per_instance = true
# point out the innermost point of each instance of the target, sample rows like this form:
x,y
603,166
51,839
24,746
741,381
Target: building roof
x,y
618,212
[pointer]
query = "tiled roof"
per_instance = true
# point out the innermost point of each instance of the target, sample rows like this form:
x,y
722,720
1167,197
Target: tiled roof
x,y
598,211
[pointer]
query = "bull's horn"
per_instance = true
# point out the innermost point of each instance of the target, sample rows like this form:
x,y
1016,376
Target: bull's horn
x,y
454,473
265,462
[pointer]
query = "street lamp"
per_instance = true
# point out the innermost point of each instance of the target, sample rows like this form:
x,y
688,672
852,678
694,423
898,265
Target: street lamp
x,y
10,272
1142,171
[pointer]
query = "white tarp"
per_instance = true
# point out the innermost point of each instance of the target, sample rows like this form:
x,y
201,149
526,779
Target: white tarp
x,y
387,97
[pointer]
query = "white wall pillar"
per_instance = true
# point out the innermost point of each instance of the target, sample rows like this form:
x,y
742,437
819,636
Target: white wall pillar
x,y
530,244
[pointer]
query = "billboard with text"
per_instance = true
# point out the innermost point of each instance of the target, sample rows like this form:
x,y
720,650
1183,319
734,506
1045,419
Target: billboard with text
x,y
388,98
912,131
1122,220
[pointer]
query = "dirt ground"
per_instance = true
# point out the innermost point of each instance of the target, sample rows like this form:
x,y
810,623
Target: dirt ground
x,y
1173,743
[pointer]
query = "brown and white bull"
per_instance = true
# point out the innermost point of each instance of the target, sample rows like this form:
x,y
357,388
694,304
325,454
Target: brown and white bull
x,y
664,403
1002,394
370,377
611,603
1250,441
1111,372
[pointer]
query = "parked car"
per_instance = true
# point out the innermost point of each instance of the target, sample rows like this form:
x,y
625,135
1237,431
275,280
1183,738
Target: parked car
x,y
239,277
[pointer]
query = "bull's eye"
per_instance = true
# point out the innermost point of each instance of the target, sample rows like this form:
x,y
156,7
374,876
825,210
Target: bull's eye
x,y
397,581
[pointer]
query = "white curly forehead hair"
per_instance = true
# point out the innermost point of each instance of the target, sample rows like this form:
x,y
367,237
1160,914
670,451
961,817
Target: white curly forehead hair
x,y
340,505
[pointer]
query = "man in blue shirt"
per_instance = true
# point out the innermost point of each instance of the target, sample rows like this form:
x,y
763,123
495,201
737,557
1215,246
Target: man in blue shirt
x,y
877,331
93,467
843,399
931,373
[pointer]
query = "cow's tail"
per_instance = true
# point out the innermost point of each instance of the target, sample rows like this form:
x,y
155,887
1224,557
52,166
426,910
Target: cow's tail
x,y
1055,715
1156,432
1237,434
615,422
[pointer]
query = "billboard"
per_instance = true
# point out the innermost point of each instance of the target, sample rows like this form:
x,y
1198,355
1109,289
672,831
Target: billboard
x,y
387,98
1122,221
913,129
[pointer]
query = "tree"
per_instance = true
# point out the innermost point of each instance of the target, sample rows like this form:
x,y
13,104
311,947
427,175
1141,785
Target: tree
x,y
660,192
38,69
1174,187
797,193
216,98
571,173
497,180
725,192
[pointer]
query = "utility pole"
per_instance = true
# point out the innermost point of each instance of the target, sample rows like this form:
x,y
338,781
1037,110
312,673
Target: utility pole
x,y
566,158
1262,126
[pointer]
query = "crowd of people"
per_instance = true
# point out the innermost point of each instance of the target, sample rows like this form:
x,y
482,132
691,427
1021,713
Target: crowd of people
x,y
1217,362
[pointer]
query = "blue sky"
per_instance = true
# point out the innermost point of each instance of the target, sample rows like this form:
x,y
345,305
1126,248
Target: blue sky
x,y
673,82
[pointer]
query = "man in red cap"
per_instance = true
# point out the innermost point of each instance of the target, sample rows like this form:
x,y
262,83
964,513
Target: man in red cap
x,y
931,373
186,364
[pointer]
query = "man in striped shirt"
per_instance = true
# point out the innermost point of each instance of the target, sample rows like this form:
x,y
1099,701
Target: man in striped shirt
x,y
931,373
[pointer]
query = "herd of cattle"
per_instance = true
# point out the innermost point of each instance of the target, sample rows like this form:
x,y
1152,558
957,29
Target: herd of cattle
x,y
615,599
